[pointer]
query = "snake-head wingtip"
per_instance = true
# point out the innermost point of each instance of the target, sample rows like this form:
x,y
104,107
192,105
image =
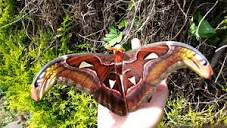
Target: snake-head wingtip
x,y
45,79
197,62
35,95
209,72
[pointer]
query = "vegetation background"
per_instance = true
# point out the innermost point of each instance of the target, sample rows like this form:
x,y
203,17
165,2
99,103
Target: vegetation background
x,y
33,32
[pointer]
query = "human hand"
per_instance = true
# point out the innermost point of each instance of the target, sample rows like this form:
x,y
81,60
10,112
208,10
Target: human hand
x,y
148,115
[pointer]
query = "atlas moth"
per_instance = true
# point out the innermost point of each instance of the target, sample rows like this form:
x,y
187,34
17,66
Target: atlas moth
x,y
124,80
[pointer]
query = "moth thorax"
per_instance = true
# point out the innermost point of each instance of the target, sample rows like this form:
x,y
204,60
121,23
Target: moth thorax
x,y
118,57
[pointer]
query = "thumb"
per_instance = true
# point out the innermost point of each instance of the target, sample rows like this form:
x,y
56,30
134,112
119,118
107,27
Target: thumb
x,y
135,43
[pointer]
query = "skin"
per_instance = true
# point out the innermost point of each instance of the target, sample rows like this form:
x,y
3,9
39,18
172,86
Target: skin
x,y
147,116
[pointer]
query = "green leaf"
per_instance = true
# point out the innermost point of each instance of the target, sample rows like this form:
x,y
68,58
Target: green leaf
x,y
200,28
193,29
113,37
113,30
116,39
122,24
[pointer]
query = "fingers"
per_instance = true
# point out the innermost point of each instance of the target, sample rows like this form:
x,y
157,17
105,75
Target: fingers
x,y
151,113
108,119
135,43
148,115
104,118
160,96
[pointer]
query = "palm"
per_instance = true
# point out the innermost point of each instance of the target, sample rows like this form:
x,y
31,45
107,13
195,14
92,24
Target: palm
x,y
148,115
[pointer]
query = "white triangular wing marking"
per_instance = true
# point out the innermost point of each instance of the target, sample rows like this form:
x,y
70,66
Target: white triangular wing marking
x,y
132,80
112,83
151,56
85,65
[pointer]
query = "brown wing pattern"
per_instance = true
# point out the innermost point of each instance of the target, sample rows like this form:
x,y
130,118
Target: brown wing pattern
x,y
154,63
137,68
86,72
121,82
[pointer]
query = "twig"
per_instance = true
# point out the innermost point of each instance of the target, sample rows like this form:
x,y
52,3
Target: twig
x,y
186,20
147,19
218,53
90,39
127,34
219,73
185,15
222,47
15,21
